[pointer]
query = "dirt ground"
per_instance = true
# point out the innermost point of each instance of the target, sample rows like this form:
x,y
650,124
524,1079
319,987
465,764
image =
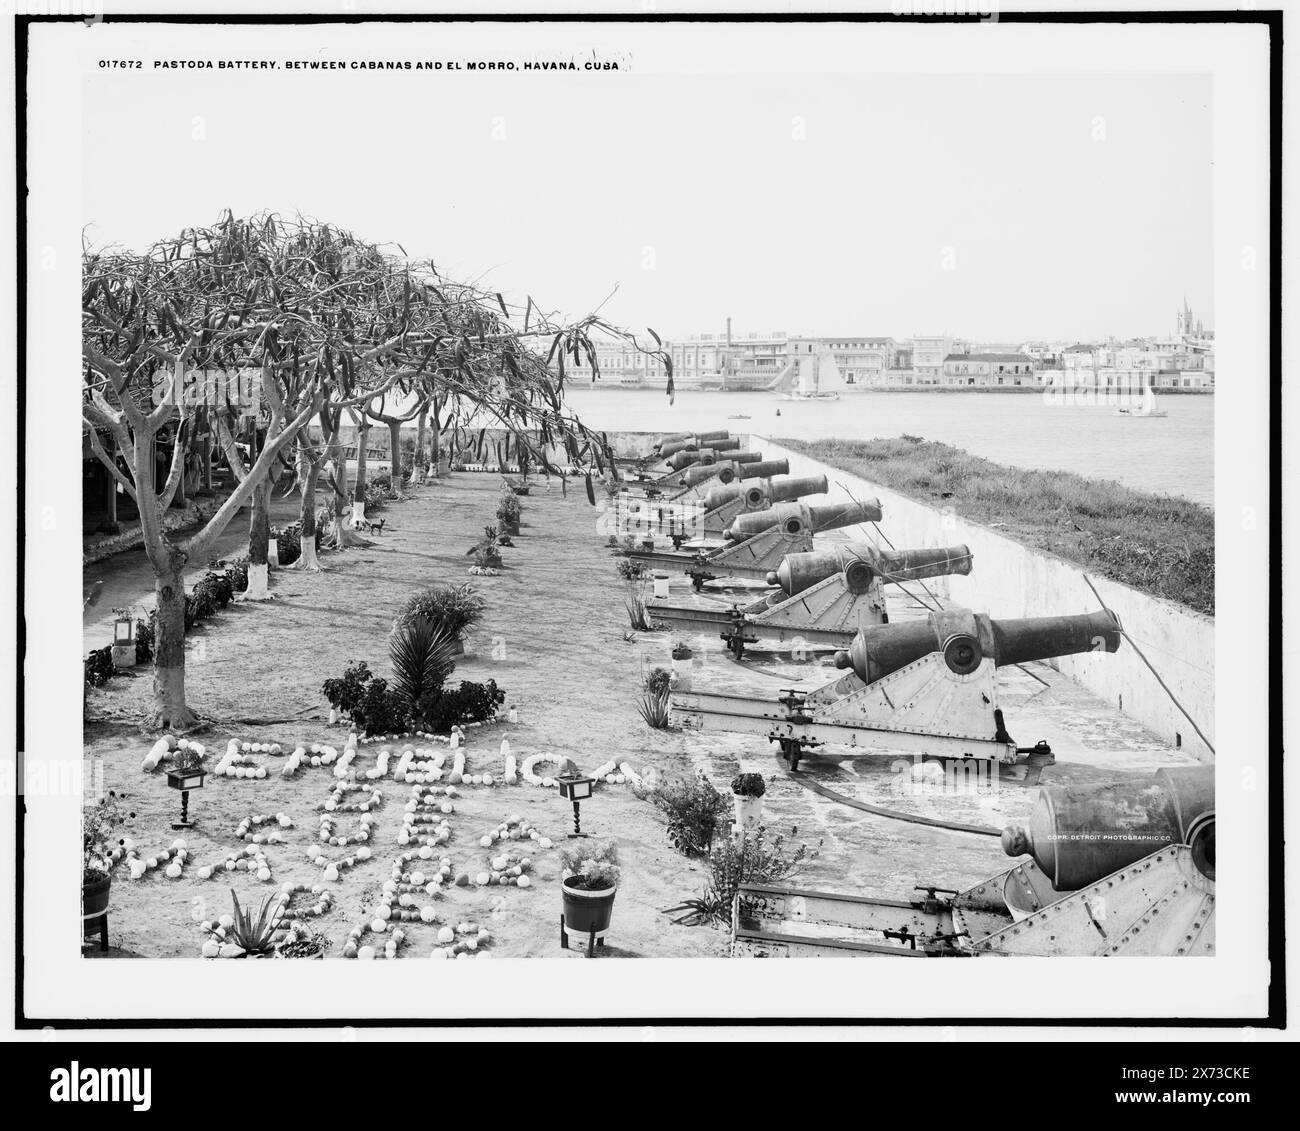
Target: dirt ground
x,y
554,637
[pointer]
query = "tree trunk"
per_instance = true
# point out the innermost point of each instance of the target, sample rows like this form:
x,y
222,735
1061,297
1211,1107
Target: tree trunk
x,y
259,536
420,463
307,519
340,536
359,490
170,712
395,455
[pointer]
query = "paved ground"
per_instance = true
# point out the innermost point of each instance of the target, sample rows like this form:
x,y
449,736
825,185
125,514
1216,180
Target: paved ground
x,y
555,637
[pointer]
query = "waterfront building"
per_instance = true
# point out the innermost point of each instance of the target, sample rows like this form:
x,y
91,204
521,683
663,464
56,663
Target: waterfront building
x,y
927,358
989,369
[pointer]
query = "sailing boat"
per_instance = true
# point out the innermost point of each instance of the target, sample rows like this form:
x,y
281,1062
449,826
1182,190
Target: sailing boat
x,y
1146,407
819,379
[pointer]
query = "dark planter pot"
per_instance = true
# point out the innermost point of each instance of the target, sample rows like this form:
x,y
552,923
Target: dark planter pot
x,y
94,898
587,911
511,528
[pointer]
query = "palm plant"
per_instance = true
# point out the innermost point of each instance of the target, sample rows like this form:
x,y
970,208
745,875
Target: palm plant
x,y
422,656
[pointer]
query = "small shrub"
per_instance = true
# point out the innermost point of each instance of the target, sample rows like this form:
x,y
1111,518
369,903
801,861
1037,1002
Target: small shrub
x,y
144,638
631,569
99,666
592,866
747,858
382,710
694,809
347,693
509,509
455,607
288,541
659,681
748,785
470,702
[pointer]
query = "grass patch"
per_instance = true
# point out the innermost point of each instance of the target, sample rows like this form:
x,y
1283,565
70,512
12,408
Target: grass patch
x,y
1157,544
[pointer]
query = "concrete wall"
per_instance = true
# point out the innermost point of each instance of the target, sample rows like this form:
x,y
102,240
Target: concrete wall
x,y
1013,580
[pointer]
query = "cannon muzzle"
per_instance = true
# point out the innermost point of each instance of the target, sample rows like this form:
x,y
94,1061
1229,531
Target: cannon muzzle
x,y
861,563
800,518
706,456
966,638
1079,834
768,491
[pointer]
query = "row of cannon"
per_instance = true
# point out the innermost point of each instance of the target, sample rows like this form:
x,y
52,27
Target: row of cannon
x,y
922,685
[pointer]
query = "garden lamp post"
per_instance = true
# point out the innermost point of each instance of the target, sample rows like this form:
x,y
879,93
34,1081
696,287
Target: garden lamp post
x,y
185,780
575,788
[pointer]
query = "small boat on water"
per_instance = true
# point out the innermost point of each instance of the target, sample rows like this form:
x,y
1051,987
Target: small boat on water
x,y
1144,408
811,378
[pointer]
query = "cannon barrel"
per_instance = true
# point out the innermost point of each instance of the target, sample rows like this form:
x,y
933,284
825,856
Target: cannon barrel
x,y
965,638
1079,834
800,518
766,490
702,473
861,561
691,441
679,460
732,469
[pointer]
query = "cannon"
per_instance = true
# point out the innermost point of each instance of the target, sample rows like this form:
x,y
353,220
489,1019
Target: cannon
x,y
700,519
716,452
666,445
1115,870
723,502
822,599
685,483
927,686
786,528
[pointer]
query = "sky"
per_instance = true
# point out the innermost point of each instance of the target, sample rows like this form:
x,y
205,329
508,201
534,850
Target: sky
x,y
995,208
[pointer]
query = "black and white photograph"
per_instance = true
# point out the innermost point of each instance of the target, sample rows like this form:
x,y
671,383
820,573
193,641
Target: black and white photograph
x,y
563,487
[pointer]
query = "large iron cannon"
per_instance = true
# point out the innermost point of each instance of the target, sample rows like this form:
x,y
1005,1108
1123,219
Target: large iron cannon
x,y
1079,833
926,686
822,600
966,639
786,528
723,502
715,453
730,468
795,518
1115,870
692,442
862,562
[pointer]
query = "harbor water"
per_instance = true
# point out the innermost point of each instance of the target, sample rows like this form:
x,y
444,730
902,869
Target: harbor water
x,y
1171,454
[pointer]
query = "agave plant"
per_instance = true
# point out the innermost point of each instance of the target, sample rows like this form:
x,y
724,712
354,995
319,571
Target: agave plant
x,y
254,936
655,708
637,612
422,654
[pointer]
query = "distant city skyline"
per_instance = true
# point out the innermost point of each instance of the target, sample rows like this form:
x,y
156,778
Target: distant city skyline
x,y
985,207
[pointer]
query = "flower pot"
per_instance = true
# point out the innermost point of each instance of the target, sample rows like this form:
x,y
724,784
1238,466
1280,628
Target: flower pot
x,y
749,811
511,528
94,898
587,911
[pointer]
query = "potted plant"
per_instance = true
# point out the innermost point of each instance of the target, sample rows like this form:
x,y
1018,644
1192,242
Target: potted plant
x,y
99,845
747,792
589,881
509,511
